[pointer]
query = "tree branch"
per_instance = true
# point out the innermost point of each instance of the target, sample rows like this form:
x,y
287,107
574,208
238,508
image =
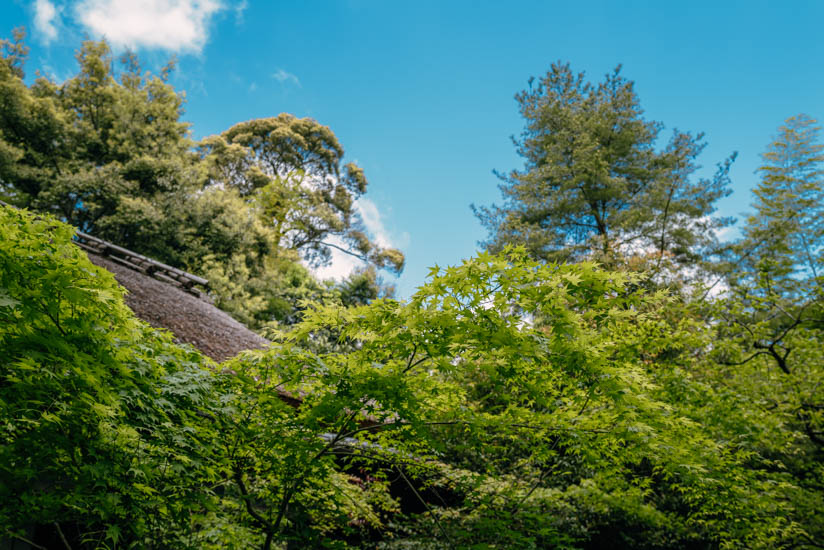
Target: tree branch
x,y
27,541
426,505
358,256
248,502
747,360
62,536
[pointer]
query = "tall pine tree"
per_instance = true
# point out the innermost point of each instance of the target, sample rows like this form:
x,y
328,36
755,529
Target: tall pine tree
x,y
784,237
594,183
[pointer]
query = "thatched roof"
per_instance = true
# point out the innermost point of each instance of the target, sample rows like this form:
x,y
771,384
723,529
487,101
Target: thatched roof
x,y
166,297
192,320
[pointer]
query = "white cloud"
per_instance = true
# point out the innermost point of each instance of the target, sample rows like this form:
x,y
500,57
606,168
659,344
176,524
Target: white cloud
x,y
368,211
727,234
343,264
174,25
283,77
45,16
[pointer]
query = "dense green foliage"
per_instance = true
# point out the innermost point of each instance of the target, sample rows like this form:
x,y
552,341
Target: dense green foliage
x,y
98,411
514,401
562,427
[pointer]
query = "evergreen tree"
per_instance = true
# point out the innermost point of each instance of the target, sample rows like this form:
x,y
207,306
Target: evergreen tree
x,y
594,183
783,238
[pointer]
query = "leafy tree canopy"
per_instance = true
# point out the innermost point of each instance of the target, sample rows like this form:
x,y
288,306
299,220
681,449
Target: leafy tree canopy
x,y
107,152
293,169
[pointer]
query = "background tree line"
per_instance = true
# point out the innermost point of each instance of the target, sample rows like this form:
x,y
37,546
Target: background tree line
x,y
107,152
607,374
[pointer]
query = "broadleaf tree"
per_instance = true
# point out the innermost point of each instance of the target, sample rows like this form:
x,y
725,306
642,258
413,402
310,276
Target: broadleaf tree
x,y
107,151
292,168
574,431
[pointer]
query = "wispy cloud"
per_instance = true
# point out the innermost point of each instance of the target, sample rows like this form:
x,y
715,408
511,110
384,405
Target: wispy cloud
x,y
285,77
341,264
240,9
45,18
172,25
727,234
371,216
344,264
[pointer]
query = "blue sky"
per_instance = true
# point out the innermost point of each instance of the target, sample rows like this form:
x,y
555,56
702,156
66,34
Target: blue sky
x,y
420,94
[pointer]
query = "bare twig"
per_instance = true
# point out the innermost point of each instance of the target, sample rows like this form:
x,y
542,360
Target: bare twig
x,y
428,508
747,360
62,536
24,539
